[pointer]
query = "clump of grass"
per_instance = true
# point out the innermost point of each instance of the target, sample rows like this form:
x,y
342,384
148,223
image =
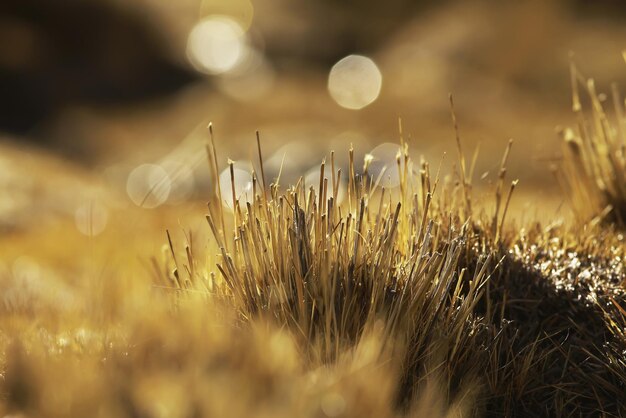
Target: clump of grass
x,y
419,265
403,303
424,266
329,271
594,169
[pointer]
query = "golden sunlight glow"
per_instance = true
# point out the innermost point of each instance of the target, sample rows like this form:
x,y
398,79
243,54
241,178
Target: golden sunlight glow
x,y
354,82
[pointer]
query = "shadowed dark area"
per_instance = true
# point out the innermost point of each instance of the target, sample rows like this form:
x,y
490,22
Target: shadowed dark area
x,y
555,333
57,53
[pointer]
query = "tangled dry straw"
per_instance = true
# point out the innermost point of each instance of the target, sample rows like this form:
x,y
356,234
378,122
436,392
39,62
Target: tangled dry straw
x,y
402,303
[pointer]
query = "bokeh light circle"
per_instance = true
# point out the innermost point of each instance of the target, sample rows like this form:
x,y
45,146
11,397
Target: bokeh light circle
x,y
243,185
148,186
312,179
182,181
216,45
383,166
355,82
91,218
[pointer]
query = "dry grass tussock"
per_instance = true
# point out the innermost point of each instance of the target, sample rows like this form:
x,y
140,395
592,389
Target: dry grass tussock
x,y
594,170
411,302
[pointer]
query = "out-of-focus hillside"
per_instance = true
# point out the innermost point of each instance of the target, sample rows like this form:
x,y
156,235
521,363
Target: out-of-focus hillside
x,y
506,64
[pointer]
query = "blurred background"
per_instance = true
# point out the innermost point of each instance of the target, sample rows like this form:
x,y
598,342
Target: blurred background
x,y
104,104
